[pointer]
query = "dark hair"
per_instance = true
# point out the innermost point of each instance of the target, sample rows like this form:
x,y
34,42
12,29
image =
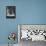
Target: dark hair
x,y
11,9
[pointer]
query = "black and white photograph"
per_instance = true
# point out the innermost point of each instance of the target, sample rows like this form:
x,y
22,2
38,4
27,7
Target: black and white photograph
x,y
10,11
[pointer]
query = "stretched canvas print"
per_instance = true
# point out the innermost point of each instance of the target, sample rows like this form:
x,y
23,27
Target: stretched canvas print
x,y
10,11
33,32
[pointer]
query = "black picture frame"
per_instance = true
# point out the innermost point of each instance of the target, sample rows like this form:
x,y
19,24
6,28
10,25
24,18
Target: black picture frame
x,y
10,11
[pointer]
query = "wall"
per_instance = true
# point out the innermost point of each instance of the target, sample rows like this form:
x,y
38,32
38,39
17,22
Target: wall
x,y
27,12
6,25
31,11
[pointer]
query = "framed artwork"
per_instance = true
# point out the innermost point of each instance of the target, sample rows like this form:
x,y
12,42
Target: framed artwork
x,y
10,11
33,32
